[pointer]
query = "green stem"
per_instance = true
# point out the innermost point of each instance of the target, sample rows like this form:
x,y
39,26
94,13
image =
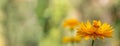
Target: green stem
x,y
72,43
93,42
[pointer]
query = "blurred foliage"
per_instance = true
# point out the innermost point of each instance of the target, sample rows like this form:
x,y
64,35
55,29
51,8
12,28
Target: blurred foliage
x,y
39,22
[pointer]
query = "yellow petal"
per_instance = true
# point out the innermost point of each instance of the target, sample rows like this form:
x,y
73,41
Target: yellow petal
x,y
87,37
88,24
99,23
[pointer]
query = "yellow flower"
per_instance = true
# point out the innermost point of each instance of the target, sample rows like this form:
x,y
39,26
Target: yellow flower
x,y
95,30
71,39
71,23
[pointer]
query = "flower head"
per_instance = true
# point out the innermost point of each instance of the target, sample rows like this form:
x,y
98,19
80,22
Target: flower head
x,y
95,30
71,23
71,39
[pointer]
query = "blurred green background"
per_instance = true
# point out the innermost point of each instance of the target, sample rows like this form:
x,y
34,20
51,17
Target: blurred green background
x,y
39,22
